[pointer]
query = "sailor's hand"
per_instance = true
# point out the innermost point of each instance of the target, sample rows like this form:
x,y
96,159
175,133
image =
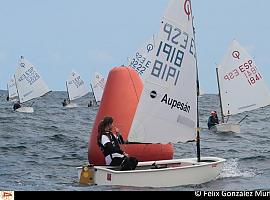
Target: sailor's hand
x,y
116,130
125,154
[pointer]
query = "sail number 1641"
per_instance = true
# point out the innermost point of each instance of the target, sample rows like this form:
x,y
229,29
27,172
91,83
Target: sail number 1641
x,y
248,69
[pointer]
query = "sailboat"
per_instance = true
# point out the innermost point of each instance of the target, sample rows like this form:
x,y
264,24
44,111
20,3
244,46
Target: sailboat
x,y
241,86
98,84
76,89
29,84
12,90
167,112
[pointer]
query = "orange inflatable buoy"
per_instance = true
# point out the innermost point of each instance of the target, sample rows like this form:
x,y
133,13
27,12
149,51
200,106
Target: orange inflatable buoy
x,y
120,99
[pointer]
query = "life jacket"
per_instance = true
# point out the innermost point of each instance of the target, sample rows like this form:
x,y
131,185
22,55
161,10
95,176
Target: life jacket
x,y
115,141
16,106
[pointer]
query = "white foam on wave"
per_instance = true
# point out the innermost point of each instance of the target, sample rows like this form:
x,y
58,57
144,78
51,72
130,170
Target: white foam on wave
x,y
232,169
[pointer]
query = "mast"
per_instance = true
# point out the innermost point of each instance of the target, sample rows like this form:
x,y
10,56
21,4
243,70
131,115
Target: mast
x,y
198,123
67,92
16,84
198,143
17,88
7,93
219,94
93,93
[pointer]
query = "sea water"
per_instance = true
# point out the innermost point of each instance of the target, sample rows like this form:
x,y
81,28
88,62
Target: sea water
x,y
41,150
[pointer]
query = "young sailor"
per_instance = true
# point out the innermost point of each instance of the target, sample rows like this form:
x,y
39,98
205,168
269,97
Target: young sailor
x,y
212,120
109,145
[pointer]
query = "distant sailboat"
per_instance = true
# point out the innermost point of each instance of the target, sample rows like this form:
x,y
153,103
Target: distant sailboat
x,y
12,90
241,86
76,89
29,84
98,84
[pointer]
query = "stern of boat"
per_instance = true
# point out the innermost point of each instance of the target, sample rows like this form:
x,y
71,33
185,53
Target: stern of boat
x,y
25,109
227,127
86,174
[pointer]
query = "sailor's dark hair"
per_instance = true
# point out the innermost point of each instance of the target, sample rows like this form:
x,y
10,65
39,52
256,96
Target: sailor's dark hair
x,y
107,120
101,127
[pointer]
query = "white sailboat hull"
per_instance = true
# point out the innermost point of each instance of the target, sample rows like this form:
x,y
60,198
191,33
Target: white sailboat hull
x,y
25,109
13,100
226,127
71,105
171,173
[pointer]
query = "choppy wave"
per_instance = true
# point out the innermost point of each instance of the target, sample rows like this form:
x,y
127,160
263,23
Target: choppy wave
x,y
231,169
40,151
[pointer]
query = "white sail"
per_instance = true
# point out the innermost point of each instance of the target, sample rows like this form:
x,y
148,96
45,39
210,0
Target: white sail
x,y
242,87
12,90
29,82
76,87
98,85
142,59
167,110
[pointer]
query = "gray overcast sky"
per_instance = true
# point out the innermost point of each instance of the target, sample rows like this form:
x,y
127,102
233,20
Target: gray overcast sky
x,y
86,35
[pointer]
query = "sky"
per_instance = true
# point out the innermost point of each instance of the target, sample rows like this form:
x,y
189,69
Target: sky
x,y
58,36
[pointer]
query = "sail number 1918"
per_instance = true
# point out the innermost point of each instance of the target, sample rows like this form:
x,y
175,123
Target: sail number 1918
x,y
248,69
